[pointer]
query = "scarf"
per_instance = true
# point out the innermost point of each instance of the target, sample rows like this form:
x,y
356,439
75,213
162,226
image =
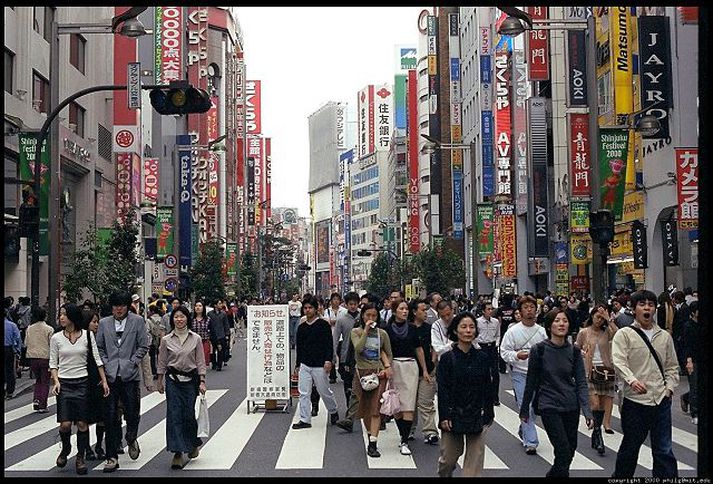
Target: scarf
x,y
182,334
400,329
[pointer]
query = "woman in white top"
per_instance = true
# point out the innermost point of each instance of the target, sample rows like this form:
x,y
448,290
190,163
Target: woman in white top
x,y
70,351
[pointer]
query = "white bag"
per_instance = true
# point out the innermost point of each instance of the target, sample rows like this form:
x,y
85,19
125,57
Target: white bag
x,y
202,418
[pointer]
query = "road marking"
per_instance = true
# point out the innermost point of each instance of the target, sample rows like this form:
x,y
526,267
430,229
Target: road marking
x,y
226,445
388,446
50,423
45,459
25,410
153,440
304,448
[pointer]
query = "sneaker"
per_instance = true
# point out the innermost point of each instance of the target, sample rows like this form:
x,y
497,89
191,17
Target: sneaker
x,y
531,450
315,410
694,420
134,449
411,437
404,449
111,465
431,440
36,405
372,451
334,418
194,453
178,461
42,410
301,425
347,425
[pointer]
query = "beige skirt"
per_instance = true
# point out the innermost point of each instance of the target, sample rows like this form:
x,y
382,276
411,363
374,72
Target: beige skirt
x,y
405,381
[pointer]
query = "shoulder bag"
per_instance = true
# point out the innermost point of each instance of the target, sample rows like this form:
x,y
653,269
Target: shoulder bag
x,y
390,404
601,373
652,350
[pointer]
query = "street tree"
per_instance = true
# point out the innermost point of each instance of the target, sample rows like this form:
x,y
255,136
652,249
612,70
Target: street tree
x,y
207,280
383,275
441,270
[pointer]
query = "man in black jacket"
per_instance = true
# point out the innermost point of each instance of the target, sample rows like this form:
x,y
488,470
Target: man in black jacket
x,y
680,318
219,332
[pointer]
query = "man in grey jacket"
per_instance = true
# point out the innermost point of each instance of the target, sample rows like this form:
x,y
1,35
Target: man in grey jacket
x,y
219,332
122,342
346,321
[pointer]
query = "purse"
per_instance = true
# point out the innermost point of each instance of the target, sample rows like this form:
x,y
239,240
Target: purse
x,y
601,374
368,382
390,404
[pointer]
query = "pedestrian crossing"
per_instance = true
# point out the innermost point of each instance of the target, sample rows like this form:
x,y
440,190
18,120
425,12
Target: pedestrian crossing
x,y
306,449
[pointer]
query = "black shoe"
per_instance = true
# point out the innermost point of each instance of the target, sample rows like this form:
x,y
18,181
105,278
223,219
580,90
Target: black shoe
x,y
301,425
90,455
431,440
334,418
531,450
134,449
496,403
684,405
120,450
80,466
36,405
382,425
371,450
332,380
62,459
99,452
608,431
347,425
597,440
315,410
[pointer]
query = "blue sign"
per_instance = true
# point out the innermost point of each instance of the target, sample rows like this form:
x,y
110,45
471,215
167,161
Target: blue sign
x,y
184,206
457,204
485,70
455,69
487,143
561,253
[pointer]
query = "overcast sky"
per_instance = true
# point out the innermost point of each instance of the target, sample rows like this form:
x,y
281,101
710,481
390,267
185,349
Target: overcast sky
x,y
307,56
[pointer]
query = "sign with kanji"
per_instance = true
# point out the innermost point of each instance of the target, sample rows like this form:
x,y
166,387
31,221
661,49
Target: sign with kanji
x,y
268,353
580,167
538,55
687,183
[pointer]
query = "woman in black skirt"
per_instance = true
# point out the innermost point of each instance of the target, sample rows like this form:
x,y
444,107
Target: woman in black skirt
x,y
70,350
97,401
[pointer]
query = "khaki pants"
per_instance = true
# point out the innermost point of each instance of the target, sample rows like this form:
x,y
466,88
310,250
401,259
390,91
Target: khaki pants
x,y
426,407
452,448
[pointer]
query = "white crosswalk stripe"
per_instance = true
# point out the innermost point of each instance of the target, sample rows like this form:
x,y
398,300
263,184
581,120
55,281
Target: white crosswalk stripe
x,y
304,448
25,410
388,447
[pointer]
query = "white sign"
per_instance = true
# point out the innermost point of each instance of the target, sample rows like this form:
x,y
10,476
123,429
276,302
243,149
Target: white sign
x,y
126,139
382,123
268,353
168,273
341,142
133,85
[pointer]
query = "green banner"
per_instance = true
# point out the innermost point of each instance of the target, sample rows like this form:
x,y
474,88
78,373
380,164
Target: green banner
x,y
164,229
613,148
485,230
28,155
231,258
579,216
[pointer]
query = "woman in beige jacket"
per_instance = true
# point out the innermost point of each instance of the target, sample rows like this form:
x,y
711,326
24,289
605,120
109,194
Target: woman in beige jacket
x,y
595,342
37,342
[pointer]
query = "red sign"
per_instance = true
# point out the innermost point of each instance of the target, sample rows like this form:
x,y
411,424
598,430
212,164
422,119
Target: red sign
x,y
687,182
268,179
252,107
255,150
508,240
124,138
579,283
414,231
123,183
538,56
580,167
213,161
503,128
169,30
151,179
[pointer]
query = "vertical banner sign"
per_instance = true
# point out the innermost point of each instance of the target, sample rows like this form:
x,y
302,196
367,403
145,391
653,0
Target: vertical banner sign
x,y
414,229
255,152
687,183
383,119
638,238
268,353
613,148
213,161
133,85
185,203
621,63
561,279
123,184
580,169
509,242
485,230
347,159
434,120
253,105
268,179
579,216
251,187
322,241
231,259
400,100
520,93
164,229
581,245
135,180
151,179
503,184
538,55
538,218
655,70
365,121
576,60
340,114
486,106
456,126
561,253
28,165
669,235
168,38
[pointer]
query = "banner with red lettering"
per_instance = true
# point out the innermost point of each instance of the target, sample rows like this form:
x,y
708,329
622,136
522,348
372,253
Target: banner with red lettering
x,y
151,180
508,240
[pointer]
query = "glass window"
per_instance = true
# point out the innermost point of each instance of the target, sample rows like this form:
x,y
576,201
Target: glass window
x,y
40,93
76,119
77,51
9,70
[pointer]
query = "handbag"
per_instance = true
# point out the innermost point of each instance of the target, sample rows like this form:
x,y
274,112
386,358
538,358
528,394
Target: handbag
x,y
390,404
368,382
601,374
92,368
202,418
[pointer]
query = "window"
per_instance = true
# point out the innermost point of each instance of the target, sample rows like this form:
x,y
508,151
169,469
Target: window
x,y
9,70
76,119
97,179
105,143
40,93
42,18
77,51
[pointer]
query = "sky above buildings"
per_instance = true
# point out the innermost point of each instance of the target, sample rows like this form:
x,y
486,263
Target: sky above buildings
x,y
307,56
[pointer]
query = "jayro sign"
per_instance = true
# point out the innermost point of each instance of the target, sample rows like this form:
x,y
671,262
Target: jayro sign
x,y
638,239
669,234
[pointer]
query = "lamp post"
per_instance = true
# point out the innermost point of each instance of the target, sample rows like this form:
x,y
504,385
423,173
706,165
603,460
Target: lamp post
x,y
130,27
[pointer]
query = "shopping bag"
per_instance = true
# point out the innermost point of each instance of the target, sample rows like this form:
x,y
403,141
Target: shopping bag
x,y
390,404
202,417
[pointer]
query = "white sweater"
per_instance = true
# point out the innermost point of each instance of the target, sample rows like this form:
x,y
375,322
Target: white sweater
x,y
440,342
71,359
517,338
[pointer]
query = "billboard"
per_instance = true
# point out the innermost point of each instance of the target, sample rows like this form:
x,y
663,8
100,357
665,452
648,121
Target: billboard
x,y
365,121
185,202
507,236
150,193
576,60
268,360
28,165
520,92
581,246
382,110
123,183
655,70
687,187
406,58
580,168
503,184
341,113
321,239
168,38
456,126
613,150
485,230
253,107
538,55
414,237
267,199
579,216
164,231
538,215
621,62
434,119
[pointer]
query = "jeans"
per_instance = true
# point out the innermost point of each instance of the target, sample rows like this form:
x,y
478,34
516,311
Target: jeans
x,y
307,376
10,376
561,428
40,368
425,406
529,431
129,394
452,449
294,321
637,421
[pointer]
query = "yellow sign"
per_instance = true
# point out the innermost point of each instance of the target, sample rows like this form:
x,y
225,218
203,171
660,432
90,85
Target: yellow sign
x,y
633,207
409,292
432,65
622,63
457,159
622,245
456,133
580,249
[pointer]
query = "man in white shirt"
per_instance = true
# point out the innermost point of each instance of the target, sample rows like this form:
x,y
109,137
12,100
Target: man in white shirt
x,y
295,308
439,330
395,298
333,311
432,313
515,350
488,339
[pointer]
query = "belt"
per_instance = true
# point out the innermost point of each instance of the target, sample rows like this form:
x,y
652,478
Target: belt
x,y
487,345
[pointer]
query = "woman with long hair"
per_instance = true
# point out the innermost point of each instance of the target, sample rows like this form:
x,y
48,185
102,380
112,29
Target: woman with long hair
x,y
201,326
595,342
372,353
70,350
665,312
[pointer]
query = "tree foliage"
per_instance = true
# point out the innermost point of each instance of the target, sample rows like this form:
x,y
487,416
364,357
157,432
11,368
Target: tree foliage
x,y
440,270
207,279
384,275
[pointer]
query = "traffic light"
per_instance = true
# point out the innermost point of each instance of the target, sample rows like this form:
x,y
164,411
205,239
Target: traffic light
x,y
29,219
601,226
180,100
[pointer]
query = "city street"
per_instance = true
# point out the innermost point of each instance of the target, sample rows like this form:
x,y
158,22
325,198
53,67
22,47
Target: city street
x,y
264,445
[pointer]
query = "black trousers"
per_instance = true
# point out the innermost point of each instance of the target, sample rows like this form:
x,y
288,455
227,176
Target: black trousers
x,y
129,394
347,379
218,356
492,350
561,428
153,354
10,376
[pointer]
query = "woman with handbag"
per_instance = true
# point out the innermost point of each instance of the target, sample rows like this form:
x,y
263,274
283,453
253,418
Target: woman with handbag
x,y
73,351
181,361
595,342
465,399
372,353
557,388
407,351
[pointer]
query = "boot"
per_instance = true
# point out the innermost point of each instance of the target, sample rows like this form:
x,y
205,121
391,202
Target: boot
x,y
597,439
66,448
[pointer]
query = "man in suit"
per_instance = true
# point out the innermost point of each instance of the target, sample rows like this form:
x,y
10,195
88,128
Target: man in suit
x,y
219,333
122,342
